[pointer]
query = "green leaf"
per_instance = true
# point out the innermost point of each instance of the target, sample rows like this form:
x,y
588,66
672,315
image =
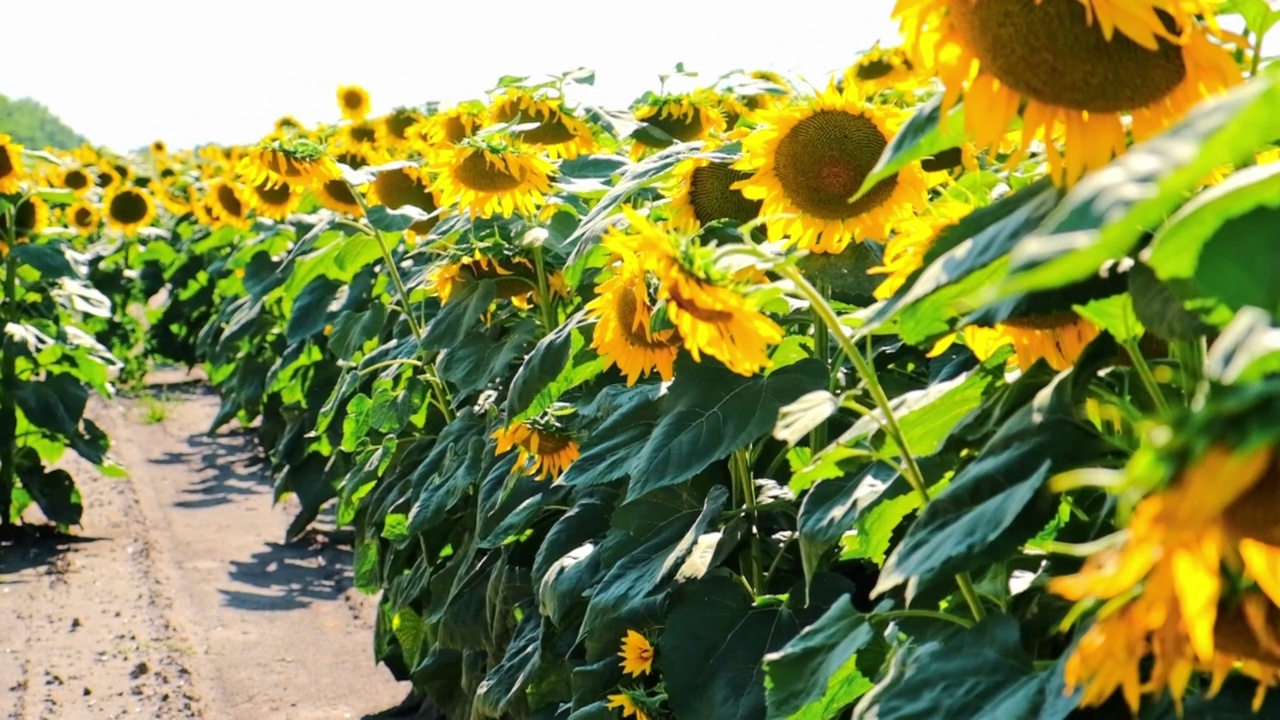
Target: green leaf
x,y
356,424
55,403
1105,216
610,450
542,365
1247,350
924,135
1236,266
49,259
351,330
1160,309
712,651
815,676
500,688
710,412
461,315
310,312
54,491
1114,314
387,220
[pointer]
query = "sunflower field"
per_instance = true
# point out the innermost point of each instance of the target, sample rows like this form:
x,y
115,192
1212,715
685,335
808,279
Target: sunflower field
x,y
945,387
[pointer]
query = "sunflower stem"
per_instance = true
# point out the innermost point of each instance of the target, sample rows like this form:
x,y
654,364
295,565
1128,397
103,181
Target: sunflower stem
x,y
1257,55
925,614
8,380
866,370
740,470
389,261
1144,374
544,294
821,350
1190,355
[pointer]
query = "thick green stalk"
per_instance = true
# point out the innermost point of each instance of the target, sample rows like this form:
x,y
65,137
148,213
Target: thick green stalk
x,y
1144,374
740,470
8,381
866,371
544,293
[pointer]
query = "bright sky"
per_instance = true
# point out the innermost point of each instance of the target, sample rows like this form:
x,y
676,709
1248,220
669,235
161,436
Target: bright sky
x,y
126,72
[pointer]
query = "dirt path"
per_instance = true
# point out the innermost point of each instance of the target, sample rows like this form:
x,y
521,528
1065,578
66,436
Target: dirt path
x,y
180,599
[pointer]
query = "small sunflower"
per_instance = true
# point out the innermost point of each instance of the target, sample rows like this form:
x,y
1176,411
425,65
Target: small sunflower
x,y
1065,61
11,169
227,204
360,134
107,179
287,123
807,160
29,218
628,705
683,118
636,654
905,251
354,101
558,133
545,449
129,208
299,163
702,192
75,179
405,186
1057,338
84,218
623,308
274,200
493,178
712,316
1162,588
448,128
338,196
393,129
158,148
514,276
881,69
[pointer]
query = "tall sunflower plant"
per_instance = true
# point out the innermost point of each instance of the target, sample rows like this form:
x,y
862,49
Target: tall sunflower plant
x,y
917,392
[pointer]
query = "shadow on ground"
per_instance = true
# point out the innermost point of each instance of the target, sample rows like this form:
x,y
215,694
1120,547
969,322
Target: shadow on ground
x,y
316,567
26,547
230,466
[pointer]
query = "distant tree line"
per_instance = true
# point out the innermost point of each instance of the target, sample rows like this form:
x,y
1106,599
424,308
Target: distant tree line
x,y
32,125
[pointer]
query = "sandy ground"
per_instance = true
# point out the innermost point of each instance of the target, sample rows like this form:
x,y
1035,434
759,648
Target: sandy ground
x,y
178,598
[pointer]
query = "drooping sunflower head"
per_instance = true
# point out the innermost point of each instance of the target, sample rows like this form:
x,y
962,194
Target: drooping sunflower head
x,y
298,162
558,132
77,180
702,192
675,118
24,221
882,69
11,167
1077,67
809,159
360,134
905,251
273,200
632,704
545,448
128,208
624,312
712,309
443,130
338,196
393,128
227,204
493,176
636,654
1057,338
354,102
84,218
513,276
746,94
403,186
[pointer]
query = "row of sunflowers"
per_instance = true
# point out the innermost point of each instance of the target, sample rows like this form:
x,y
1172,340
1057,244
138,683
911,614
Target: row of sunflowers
x,y
944,387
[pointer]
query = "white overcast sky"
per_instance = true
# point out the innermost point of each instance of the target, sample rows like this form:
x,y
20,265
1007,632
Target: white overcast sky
x,y
126,72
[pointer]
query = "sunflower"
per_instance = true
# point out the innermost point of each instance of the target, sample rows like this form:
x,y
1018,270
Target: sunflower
x,y
704,303
702,192
227,204
492,178
84,218
354,101
1058,338
359,134
29,218
159,148
11,170
77,180
629,706
905,251
129,208
274,200
299,163
683,118
287,123
623,308
882,67
545,449
514,276
807,160
558,133
338,196
1164,591
405,186
450,127
107,179
636,654
1065,61
393,129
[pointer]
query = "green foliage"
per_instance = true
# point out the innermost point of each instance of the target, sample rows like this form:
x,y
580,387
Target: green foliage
x,y
32,125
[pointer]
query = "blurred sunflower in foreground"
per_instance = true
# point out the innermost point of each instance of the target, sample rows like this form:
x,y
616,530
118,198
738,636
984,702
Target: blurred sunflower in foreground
x,y
545,449
1079,67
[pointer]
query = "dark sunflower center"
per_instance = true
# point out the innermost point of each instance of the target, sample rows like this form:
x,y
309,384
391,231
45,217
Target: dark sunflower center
x,y
1251,514
944,160
229,201
128,207
339,192
822,161
352,160
397,188
352,100
874,69
626,308
455,131
363,133
1046,51
399,124
25,218
551,129
706,315
1047,321
713,197
82,217
6,162
121,170
476,172
548,443
680,127
75,180
105,178
275,195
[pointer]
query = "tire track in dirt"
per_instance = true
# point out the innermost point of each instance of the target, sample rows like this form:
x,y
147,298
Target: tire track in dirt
x,y
181,600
